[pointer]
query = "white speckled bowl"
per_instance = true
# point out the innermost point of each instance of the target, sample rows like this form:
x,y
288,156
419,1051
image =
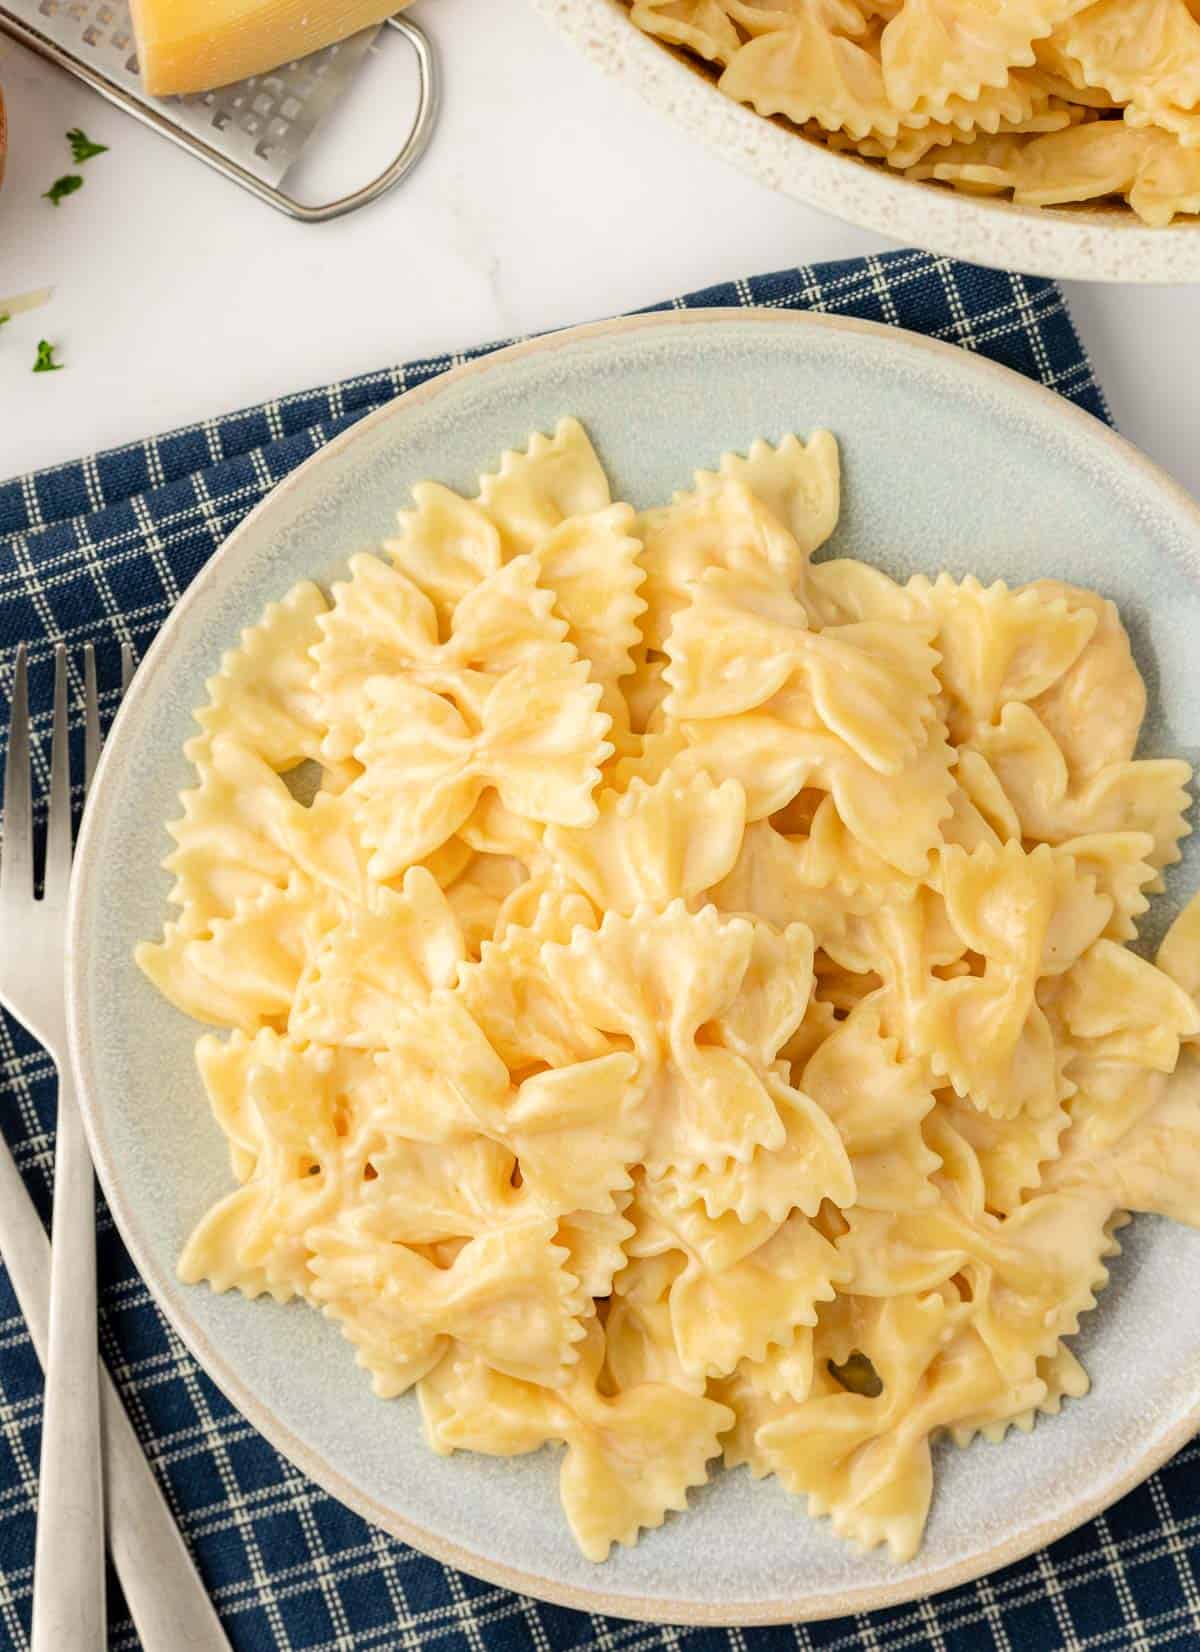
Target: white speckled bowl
x,y
1108,243
948,461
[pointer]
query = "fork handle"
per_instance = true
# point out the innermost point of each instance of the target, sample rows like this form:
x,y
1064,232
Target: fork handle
x,y
68,1564
166,1599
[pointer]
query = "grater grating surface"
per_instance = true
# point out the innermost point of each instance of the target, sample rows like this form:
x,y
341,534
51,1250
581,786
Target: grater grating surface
x,y
262,123
251,132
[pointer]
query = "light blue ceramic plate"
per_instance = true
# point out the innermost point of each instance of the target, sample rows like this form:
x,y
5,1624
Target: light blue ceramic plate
x,y
949,462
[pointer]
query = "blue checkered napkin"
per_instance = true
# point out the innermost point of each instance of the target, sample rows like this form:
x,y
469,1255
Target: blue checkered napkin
x,y
99,550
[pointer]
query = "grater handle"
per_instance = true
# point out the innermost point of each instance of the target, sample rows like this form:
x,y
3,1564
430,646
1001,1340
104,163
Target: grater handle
x,y
410,152
402,163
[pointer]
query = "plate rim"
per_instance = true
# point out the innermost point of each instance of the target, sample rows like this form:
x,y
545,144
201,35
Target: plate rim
x,y
843,1602
1085,244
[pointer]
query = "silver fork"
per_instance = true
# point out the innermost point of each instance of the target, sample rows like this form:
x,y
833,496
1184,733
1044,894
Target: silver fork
x,y
68,1565
166,1598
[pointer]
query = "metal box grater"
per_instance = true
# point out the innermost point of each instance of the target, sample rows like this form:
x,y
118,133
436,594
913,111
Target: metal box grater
x,y
253,131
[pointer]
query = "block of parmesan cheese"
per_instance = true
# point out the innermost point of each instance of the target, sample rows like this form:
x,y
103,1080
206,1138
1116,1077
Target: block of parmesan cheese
x,y
194,45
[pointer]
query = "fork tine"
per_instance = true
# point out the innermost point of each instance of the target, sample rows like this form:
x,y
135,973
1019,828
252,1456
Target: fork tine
x,y
16,860
58,826
127,665
91,717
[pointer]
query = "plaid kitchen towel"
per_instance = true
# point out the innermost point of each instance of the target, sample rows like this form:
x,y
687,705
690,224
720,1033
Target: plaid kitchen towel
x,y
99,550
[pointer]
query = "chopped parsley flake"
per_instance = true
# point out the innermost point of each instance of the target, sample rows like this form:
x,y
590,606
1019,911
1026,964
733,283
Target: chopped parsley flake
x,y
62,186
82,147
45,362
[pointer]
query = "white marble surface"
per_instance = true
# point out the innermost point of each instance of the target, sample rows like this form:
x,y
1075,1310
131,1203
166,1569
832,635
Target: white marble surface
x,y
550,195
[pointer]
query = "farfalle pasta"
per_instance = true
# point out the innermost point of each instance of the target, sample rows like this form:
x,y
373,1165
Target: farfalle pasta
x,y
1053,102
672,993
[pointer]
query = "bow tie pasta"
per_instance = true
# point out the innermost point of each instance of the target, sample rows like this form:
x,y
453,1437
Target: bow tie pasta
x,y
1052,101
674,992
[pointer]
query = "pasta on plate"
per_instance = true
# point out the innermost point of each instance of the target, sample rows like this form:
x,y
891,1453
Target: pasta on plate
x,y
675,993
1051,101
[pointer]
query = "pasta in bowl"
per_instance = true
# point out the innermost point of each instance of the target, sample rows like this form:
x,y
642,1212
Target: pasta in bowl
x,y
677,992
1050,139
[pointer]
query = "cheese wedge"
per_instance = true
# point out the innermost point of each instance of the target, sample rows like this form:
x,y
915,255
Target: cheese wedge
x,y
193,45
